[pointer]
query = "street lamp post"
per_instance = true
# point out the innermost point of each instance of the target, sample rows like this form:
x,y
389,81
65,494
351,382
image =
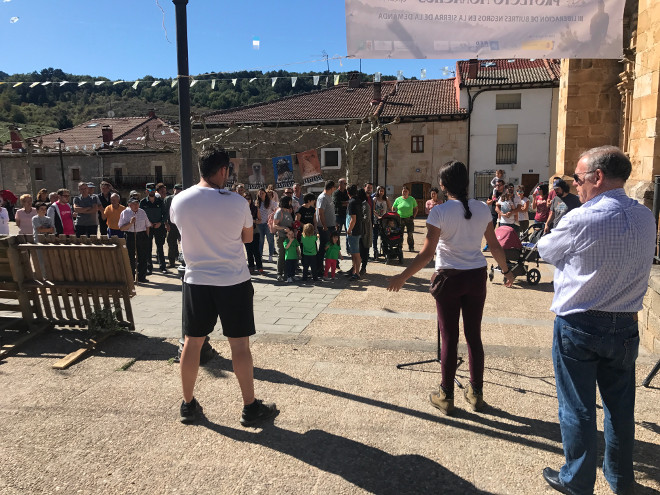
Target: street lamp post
x,y
387,136
60,143
184,92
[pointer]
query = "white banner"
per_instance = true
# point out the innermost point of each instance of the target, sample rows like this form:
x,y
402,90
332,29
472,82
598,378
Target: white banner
x,y
455,29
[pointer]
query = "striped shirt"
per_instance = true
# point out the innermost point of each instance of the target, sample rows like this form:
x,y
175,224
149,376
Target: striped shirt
x,y
141,221
603,253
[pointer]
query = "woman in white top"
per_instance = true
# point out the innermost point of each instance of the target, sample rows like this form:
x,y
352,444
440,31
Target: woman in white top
x,y
24,215
454,232
523,214
4,221
266,206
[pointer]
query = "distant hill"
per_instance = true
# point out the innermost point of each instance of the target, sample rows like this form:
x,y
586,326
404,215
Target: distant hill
x,y
41,109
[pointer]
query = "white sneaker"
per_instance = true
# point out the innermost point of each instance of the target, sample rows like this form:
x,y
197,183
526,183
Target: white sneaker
x,y
289,280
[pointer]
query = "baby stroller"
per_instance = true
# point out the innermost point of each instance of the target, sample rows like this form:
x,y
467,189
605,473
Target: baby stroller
x,y
391,234
517,254
532,234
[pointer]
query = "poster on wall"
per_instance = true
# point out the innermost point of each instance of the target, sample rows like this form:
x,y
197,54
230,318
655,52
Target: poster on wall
x,y
310,167
234,171
283,169
452,29
256,179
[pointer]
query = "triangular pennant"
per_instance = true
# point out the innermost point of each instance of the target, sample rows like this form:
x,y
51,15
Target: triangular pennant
x,y
336,79
45,83
85,147
273,79
253,79
212,86
121,141
399,75
155,83
135,84
233,81
34,84
98,83
117,82
62,83
18,84
174,81
293,82
82,83
423,74
377,77
193,82
316,80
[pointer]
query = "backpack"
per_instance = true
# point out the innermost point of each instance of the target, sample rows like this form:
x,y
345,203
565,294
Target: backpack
x,y
271,222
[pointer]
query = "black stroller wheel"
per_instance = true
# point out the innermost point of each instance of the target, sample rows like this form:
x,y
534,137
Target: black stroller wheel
x,y
533,276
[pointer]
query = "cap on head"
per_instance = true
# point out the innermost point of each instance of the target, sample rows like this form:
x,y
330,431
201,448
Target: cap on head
x,y
133,199
91,184
150,186
178,186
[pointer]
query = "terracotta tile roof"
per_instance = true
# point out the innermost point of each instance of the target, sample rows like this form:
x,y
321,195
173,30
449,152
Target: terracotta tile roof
x,y
88,135
340,103
498,72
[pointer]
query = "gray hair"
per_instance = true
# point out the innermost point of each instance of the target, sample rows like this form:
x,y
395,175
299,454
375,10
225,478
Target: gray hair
x,y
114,195
610,160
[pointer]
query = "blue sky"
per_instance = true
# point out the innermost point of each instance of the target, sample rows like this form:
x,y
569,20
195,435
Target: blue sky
x,y
125,39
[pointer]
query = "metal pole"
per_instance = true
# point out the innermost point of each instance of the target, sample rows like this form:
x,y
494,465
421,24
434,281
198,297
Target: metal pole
x,y
62,166
385,173
656,199
184,92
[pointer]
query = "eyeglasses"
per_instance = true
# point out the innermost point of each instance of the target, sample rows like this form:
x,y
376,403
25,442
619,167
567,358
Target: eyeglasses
x,y
576,177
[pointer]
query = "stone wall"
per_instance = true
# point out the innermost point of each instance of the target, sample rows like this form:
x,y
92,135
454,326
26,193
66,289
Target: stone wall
x,y
589,109
649,317
644,125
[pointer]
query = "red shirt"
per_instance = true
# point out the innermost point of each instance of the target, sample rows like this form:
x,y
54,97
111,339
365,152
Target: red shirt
x,y
67,219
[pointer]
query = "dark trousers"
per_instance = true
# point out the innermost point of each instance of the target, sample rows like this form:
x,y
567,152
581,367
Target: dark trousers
x,y
290,267
309,264
409,224
117,233
103,226
364,254
173,238
376,233
324,239
465,291
141,242
159,235
253,252
88,230
340,220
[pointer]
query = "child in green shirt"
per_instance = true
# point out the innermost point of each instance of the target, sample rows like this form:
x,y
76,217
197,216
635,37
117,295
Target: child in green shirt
x,y
291,254
332,255
309,251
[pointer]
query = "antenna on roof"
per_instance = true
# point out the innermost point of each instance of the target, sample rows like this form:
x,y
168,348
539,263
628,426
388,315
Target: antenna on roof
x,y
446,71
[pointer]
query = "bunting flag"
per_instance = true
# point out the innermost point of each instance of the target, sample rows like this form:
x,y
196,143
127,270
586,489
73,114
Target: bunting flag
x,y
193,82
253,79
117,82
377,77
293,82
336,79
62,83
98,83
274,80
213,84
399,75
34,84
255,43
423,74
174,81
18,84
155,83
233,81
82,83
45,83
135,85
316,80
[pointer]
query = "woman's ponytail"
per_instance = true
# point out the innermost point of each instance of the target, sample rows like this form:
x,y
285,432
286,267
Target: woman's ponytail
x,y
464,199
454,178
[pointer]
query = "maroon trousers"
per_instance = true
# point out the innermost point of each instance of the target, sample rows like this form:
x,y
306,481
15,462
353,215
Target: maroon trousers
x,y
466,292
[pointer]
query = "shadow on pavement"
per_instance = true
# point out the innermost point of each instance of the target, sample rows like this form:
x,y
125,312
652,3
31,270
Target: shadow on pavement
x,y
369,468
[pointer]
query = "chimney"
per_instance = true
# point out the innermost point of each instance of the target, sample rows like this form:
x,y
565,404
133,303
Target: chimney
x,y
354,80
106,131
16,139
152,114
473,68
377,92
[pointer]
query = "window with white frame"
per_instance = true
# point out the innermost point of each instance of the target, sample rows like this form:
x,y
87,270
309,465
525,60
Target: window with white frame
x,y
331,158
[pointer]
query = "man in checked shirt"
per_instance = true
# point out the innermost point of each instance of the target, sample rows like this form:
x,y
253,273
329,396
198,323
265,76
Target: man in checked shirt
x,y
602,253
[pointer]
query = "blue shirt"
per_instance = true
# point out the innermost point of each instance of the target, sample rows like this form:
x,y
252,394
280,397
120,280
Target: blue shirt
x,y
603,253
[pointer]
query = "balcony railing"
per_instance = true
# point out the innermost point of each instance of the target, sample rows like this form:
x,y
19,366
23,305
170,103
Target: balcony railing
x,y
139,182
506,153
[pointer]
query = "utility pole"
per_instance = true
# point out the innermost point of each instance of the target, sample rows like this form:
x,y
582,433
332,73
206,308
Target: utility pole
x,y
60,143
184,92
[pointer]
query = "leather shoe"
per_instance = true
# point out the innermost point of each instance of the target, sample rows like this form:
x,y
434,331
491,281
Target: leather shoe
x,y
552,477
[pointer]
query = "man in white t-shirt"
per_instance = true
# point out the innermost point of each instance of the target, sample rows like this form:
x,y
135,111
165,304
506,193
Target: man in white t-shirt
x,y
216,281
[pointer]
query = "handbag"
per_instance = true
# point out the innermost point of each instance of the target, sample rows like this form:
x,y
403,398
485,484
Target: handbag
x,y
439,278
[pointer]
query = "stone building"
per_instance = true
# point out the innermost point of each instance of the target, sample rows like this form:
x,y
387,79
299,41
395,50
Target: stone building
x,y
128,152
427,129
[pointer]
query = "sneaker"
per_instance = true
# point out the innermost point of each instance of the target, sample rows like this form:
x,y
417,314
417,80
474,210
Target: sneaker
x,y
280,278
164,269
355,276
289,280
475,397
257,411
191,411
143,280
440,400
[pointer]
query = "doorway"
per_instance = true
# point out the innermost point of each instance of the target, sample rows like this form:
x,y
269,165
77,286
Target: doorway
x,y
421,191
528,181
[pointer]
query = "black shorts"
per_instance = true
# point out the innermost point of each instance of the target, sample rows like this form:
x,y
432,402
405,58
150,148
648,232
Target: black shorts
x,y
202,304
